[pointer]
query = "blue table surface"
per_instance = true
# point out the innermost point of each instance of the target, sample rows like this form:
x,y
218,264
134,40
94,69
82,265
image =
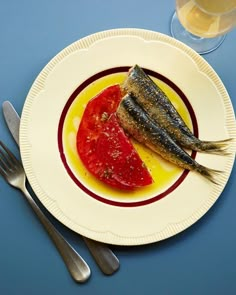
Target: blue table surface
x,y
200,260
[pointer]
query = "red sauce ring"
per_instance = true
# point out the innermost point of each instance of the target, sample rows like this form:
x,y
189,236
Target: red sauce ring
x,y
61,148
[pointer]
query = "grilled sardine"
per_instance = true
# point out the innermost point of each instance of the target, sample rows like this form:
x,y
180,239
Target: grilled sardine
x,y
141,127
158,106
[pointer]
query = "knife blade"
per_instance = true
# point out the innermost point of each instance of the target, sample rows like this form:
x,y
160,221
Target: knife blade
x,y
102,254
12,119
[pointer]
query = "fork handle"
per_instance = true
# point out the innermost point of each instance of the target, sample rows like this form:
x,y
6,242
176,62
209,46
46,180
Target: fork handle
x,y
77,267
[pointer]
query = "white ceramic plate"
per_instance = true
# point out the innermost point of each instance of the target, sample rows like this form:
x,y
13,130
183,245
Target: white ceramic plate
x,y
48,147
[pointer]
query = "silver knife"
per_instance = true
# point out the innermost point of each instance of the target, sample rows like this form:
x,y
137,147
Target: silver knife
x,y
104,257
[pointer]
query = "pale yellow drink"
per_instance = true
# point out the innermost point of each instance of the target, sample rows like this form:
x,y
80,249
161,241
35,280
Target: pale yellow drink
x,y
207,18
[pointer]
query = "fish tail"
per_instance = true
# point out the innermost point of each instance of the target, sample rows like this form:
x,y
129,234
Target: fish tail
x,y
210,174
216,147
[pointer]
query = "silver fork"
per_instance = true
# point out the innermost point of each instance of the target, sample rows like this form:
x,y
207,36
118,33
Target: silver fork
x,y
13,172
102,254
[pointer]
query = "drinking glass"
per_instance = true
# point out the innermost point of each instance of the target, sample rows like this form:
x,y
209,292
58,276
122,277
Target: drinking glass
x,y
202,24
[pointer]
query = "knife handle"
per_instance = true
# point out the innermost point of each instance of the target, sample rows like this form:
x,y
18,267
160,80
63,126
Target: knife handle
x,y
104,257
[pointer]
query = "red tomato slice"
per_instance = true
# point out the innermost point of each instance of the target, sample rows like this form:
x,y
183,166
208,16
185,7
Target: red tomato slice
x,y
103,146
96,114
121,161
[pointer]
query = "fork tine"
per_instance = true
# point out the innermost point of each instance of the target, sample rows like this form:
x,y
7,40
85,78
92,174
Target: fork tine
x,y
3,165
3,160
8,156
2,169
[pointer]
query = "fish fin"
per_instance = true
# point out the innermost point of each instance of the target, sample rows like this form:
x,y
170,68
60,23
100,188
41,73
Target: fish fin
x,y
217,147
210,174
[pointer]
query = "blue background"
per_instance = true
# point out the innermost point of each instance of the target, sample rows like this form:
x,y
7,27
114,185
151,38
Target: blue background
x,y
200,260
